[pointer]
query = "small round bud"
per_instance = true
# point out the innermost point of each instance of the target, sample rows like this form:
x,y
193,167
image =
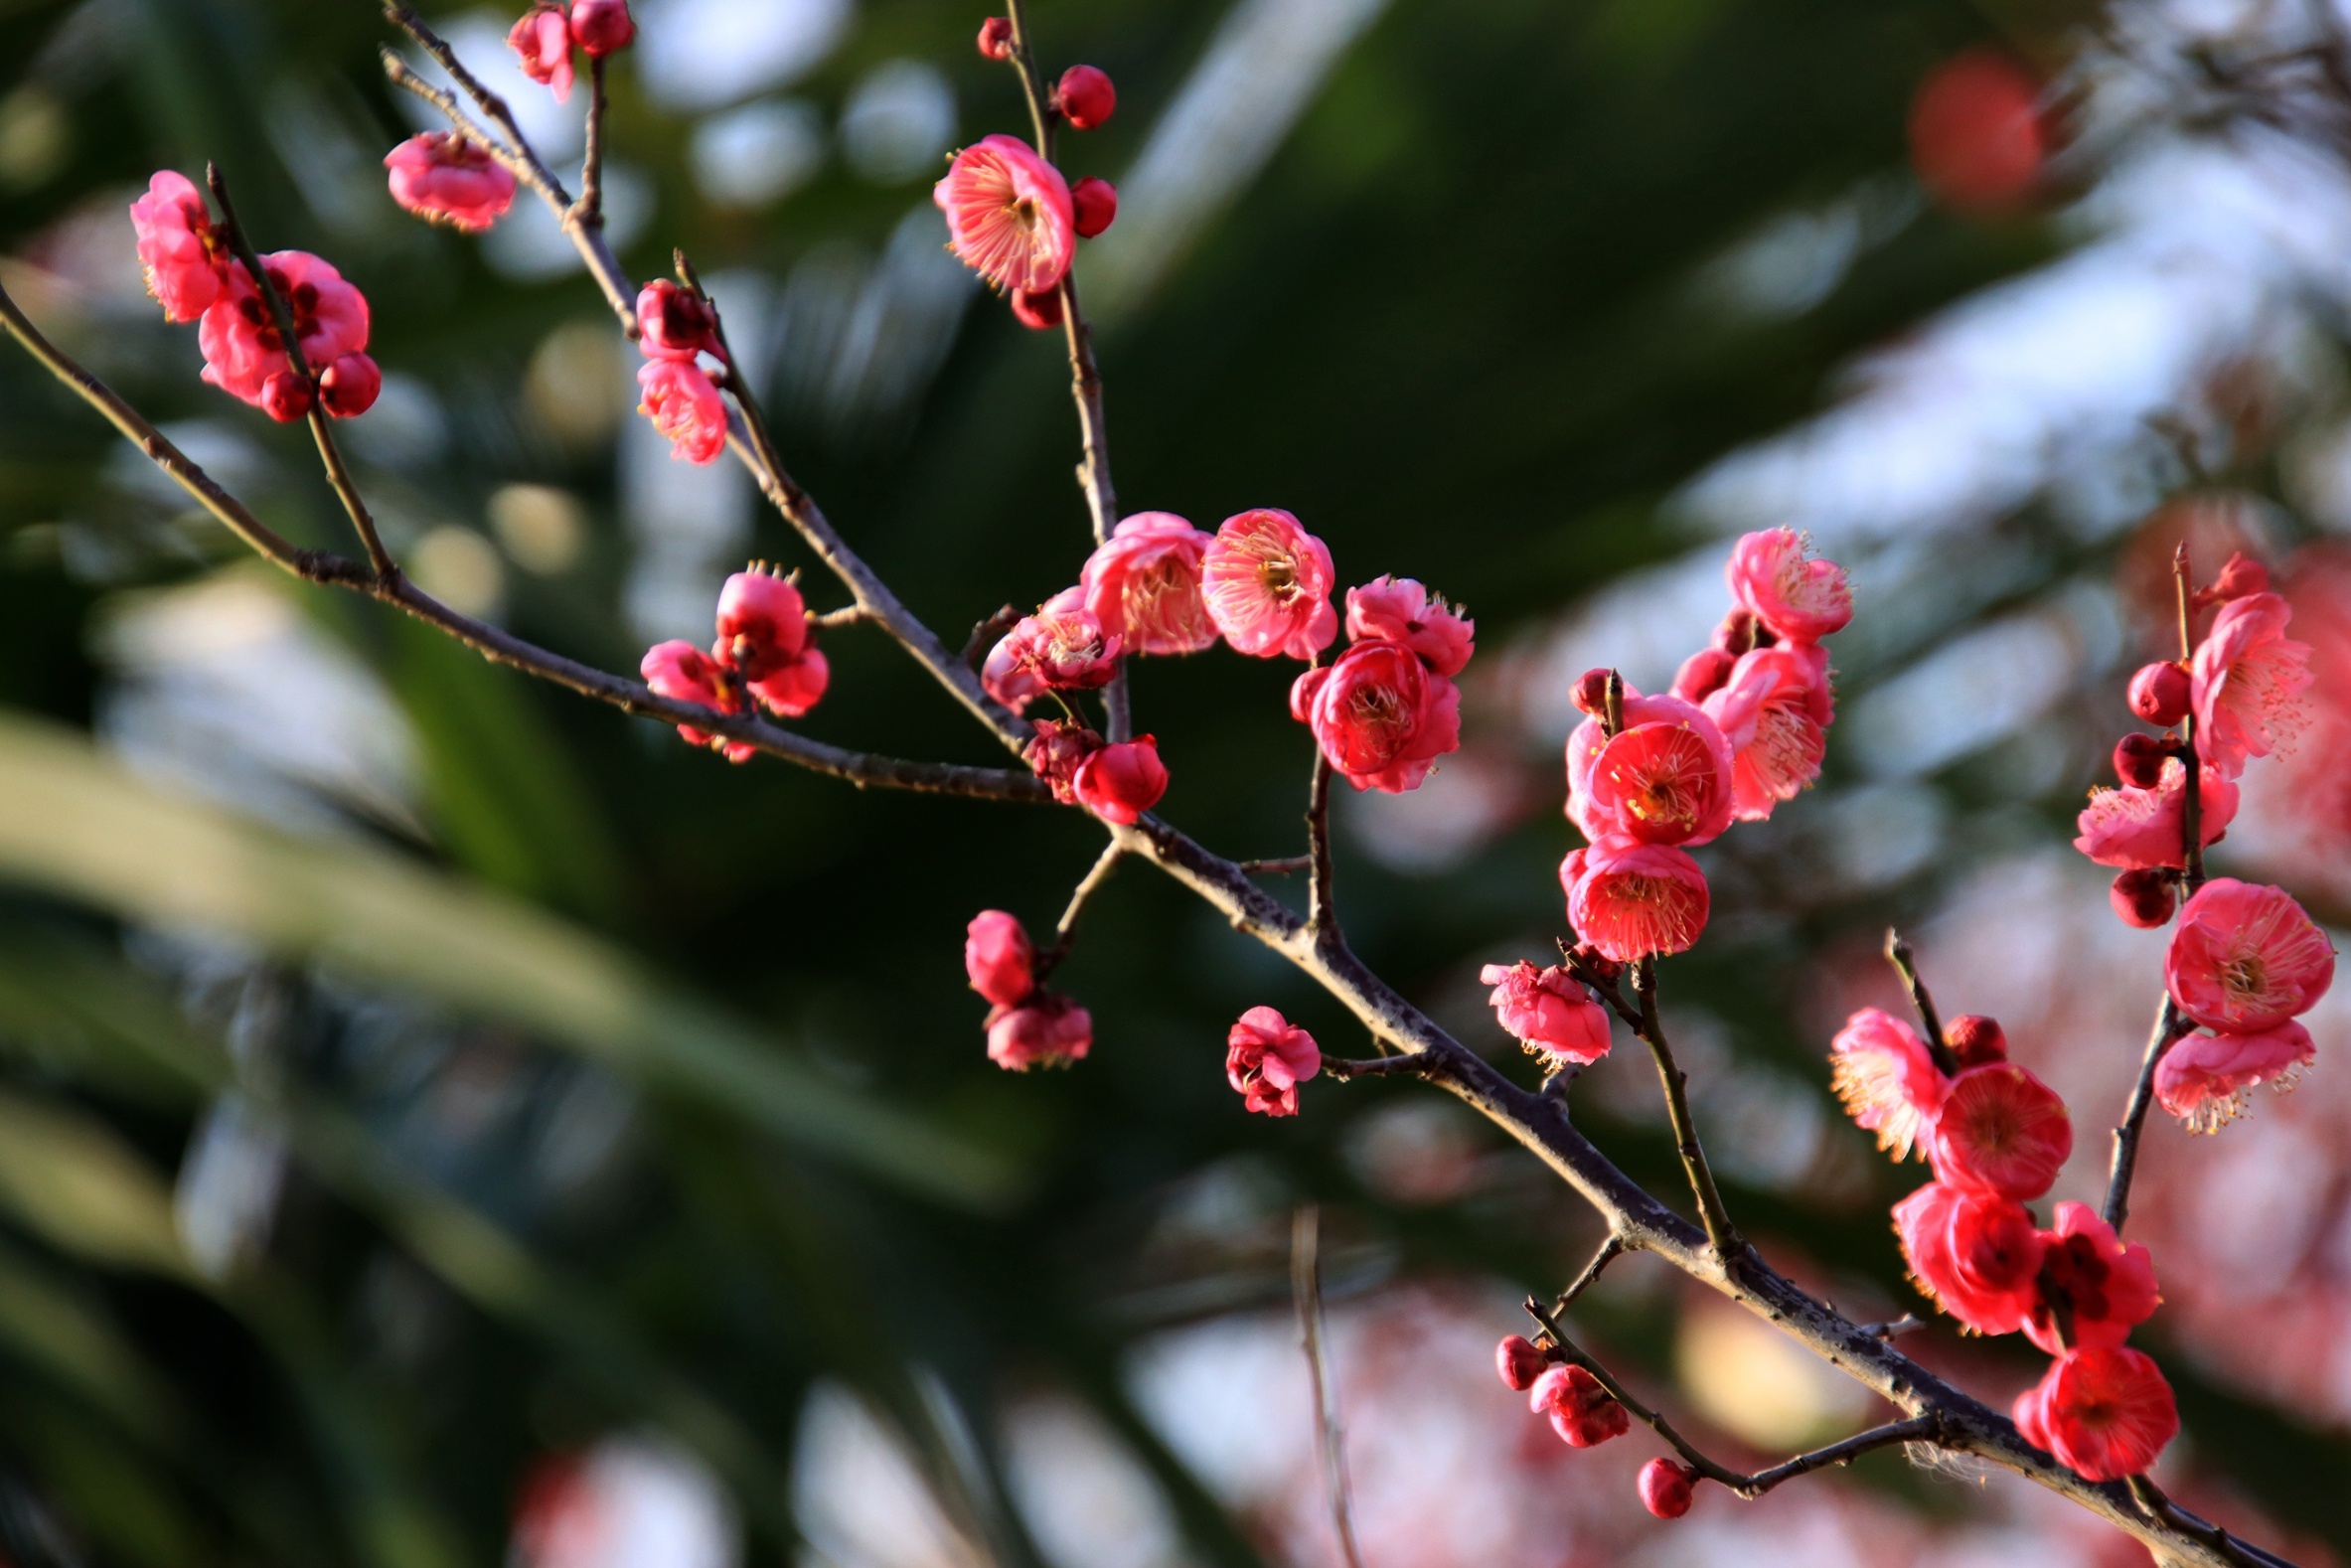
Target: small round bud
x,y
350,385
2159,693
1096,204
2138,761
1085,96
1037,312
996,38
600,27
1736,634
1520,1361
1702,675
1666,1488
2143,899
286,396
1592,693
1976,1040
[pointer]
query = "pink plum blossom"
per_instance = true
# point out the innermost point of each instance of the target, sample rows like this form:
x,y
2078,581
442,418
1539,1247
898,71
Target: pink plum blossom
x,y
1774,575
1061,648
238,335
763,634
1143,584
685,407
1976,1253
1630,900
1400,610
2244,958
1691,780
684,672
2105,1412
1380,715
1008,214
2248,684
183,254
2090,1288
674,323
1772,709
1121,781
2001,1130
542,41
2138,830
1268,585
1266,1058
998,959
2204,1079
1886,1076
1548,1011
1047,1031
450,179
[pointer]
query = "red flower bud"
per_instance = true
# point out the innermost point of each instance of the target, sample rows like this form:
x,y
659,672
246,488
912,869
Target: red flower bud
x,y
350,385
1037,312
1737,633
1085,98
675,323
1096,205
1122,781
996,38
1975,1039
600,27
1702,675
1519,1362
1666,1488
2138,759
2143,899
2159,694
1592,693
286,396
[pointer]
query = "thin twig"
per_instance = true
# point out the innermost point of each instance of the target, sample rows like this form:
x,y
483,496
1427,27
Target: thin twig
x,y
846,615
1065,932
1343,1068
588,212
1306,1284
1317,837
1603,986
1906,965
2170,1027
1280,866
1610,1249
1721,1234
1925,1427
1894,1327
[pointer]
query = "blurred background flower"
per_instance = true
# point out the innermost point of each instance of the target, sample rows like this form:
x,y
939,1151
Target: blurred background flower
x,y
441,1121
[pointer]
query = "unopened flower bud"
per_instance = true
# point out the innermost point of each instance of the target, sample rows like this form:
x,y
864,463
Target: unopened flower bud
x,y
1591,693
996,38
2143,899
1702,675
1520,1361
2159,693
1095,202
286,396
2138,761
1121,781
1975,1039
348,387
1037,312
599,27
997,958
1666,1488
675,323
1085,96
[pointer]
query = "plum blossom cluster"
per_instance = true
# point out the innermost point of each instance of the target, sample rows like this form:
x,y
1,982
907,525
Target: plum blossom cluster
x,y
2245,961
1012,216
544,38
194,278
1028,1025
1996,1136
1743,729
765,653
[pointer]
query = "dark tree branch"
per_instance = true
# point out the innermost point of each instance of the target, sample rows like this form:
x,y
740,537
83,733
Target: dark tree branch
x,y
1281,865
1306,1284
1065,932
1720,1232
588,211
1609,1250
1318,837
2170,1027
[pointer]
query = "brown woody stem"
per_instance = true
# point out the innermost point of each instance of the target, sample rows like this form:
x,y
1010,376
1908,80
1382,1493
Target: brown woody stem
x,y
1906,965
1721,1234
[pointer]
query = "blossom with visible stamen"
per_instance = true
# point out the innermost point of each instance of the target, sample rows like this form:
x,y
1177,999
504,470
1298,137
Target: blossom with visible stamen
x,y
1549,1013
1008,214
1883,1072
2140,830
2244,958
2205,1079
1061,648
1631,900
1771,710
1591,739
1143,584
2091,1290
1663,783
183,255
1268,583
1774,575
1400,610
1381,717
2248,681
2106,1412
2001,1130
